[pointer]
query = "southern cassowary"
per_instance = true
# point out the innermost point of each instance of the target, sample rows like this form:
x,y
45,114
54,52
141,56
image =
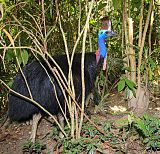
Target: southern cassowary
x,y
42,90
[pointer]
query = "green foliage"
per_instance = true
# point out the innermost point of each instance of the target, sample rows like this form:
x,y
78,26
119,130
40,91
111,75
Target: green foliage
x,y
24,57
87,142
114,66
117,4
31,147
121,85
126,84
117,133
149,129
69,12
101,5
54,133
91,140
145,129
4,1
21,55
6,74
152,65
77,146
108,78
101,80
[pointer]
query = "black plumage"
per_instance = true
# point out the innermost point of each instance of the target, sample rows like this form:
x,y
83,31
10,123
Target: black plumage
x,y
42,89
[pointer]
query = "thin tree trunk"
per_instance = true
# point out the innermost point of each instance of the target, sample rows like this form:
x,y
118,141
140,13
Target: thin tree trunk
x,y
142,43
132,58
150,30
82,66
141,23
125,17
140,104
158,7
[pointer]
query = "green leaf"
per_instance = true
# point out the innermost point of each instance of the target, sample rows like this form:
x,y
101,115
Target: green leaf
x,y
10,83
146,140
126,94
92,21
130,84
9,55
24,56
141,126
146,116
121,85
18,55
150,73
151,63
49,32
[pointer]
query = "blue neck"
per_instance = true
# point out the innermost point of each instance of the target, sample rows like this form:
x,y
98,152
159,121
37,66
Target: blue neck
x,y
102,48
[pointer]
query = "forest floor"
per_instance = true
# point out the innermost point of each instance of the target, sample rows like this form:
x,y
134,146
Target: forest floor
x,y
14,137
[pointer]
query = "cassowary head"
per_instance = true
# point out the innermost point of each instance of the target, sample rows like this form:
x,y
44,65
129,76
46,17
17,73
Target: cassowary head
x,y
102,49
104,34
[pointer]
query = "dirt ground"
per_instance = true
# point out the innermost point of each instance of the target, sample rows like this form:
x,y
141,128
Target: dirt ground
x,y
15,135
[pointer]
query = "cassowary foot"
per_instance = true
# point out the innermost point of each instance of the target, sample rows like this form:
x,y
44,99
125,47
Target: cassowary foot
x,y
29,122
36,118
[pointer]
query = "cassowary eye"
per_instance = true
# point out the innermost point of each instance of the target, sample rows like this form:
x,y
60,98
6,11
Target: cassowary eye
x,y
107,32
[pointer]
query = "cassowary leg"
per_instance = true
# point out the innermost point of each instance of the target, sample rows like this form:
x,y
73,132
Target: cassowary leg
x,y
36,118
61,122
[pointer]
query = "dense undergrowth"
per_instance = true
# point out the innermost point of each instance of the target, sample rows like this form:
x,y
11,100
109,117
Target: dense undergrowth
x,y
119,137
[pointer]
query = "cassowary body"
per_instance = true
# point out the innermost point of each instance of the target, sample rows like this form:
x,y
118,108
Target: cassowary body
x,y
42,89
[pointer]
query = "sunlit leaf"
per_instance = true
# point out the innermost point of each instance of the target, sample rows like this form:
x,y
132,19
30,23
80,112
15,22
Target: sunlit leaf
x,y
121,85
130,84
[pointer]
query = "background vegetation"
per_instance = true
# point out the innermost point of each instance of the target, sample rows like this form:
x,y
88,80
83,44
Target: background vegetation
x,y
34,25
